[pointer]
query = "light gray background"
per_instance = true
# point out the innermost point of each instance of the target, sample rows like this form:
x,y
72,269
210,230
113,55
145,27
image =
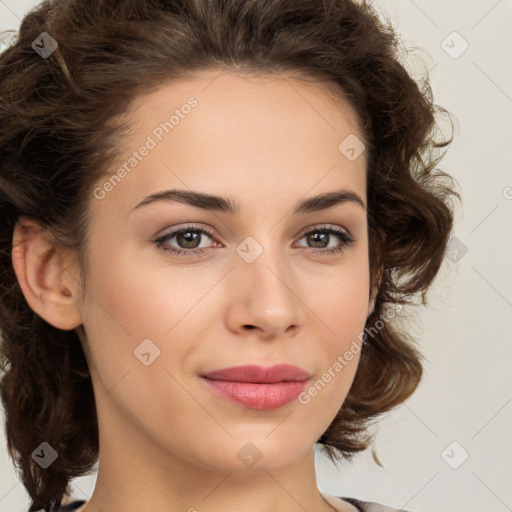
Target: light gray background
x,y
466,331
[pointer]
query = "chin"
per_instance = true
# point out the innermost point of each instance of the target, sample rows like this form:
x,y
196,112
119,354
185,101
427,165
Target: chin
x,y
243,456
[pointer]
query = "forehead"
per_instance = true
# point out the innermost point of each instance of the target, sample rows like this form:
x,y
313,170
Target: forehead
x,y
227,99
244,135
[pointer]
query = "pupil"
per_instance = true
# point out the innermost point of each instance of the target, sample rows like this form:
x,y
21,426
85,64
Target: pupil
x,y
317,235
187,235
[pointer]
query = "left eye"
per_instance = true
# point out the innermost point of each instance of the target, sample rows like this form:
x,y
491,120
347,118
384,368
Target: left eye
x,y
188,238
320,235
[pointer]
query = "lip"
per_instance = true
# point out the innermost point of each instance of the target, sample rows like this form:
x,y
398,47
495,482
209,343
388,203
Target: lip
x,y
259,374
258,387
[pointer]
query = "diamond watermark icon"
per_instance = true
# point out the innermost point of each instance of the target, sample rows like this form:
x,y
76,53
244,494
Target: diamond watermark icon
x,y
44,455
44,45
351,147
454,45
454,455
146,352
249,249
249,455
456,249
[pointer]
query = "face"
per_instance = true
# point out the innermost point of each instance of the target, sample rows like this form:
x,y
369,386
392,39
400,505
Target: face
x,y
176,290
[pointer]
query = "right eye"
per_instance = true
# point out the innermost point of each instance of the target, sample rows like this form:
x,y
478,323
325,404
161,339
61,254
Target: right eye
x,y
185,235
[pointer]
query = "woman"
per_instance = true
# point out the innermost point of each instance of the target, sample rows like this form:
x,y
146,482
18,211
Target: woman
x,y
211,211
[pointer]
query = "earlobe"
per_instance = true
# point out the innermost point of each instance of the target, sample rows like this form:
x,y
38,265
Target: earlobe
x,y
47,284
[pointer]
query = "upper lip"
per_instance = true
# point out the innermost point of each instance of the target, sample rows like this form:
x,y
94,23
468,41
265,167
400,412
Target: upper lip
x,y
259,374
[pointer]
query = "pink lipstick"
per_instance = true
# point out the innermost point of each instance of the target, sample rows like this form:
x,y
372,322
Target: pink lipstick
x,y
258,387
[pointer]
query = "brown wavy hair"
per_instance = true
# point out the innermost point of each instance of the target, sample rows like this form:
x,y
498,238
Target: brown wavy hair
x,y
60,130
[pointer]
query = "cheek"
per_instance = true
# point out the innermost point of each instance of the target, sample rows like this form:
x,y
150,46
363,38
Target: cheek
x,y
346,310
120,311
343,309
340,298
131,299
135,296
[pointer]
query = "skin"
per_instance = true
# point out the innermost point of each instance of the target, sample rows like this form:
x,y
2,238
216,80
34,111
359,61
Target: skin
x,y
166,441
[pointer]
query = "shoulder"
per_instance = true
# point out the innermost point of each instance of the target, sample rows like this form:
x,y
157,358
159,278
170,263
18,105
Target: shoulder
x,y
371,506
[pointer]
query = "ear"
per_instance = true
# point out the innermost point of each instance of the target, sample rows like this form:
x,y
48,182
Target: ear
x,y
377,278
45,275
375,291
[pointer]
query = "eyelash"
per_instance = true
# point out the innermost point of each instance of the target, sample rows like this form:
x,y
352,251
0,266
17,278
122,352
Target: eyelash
x,y
346,240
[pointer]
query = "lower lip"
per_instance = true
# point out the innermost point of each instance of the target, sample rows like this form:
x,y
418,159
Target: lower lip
x,y
257,395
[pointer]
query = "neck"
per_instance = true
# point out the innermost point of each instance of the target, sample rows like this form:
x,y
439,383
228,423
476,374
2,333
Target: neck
x,y
135,474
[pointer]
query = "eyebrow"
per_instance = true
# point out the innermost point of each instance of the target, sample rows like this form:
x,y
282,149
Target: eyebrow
x,y
227,205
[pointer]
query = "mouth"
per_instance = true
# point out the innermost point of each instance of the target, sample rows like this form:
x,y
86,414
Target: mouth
x,y
258,387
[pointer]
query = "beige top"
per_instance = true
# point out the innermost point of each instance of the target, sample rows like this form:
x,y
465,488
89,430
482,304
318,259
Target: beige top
x,y
338,504
367,506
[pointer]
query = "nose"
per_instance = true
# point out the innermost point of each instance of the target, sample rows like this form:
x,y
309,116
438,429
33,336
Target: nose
x,y
265,296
